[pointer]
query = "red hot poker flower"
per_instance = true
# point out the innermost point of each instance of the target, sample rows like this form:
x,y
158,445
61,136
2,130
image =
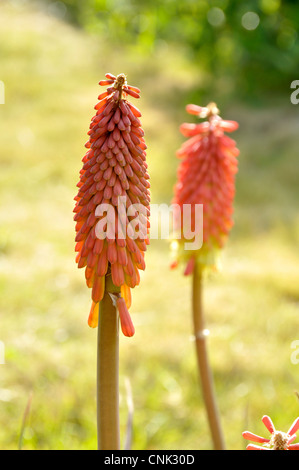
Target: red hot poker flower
x,y
206,176
113,182
278,441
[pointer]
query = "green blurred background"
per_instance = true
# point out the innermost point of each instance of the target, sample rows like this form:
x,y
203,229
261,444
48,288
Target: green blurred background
x,y
244,56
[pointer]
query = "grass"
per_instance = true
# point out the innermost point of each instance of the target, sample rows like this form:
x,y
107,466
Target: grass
x,y
51,71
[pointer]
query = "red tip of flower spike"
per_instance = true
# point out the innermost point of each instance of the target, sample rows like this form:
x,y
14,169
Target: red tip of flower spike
x,y
197,110
126,323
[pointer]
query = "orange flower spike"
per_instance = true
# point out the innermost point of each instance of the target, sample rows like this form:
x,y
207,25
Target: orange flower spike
x,y
278,440
114,173
206,175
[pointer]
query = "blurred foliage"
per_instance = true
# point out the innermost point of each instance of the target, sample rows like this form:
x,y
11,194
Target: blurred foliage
x,y
247,46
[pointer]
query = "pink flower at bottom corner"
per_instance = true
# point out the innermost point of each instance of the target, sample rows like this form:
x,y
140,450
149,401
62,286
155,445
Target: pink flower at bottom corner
x,y
278,440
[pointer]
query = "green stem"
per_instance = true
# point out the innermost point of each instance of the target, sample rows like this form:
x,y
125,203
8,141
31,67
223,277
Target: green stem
x,y
108,373
203,361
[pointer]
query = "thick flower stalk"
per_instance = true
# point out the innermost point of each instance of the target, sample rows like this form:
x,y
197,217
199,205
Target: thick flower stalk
x,y
278,440
113,183
206,176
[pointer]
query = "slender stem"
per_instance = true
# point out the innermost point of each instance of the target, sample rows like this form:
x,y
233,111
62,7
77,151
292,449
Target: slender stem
x,y
108,375
203,361
25,417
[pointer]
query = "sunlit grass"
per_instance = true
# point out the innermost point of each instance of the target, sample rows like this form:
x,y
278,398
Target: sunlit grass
x,y
51,71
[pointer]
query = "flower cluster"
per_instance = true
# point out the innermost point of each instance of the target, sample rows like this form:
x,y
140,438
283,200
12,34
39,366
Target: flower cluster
x,y
114,169
278,441
206,176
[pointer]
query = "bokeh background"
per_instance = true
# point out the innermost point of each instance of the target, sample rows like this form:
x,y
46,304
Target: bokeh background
x,y
244,56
